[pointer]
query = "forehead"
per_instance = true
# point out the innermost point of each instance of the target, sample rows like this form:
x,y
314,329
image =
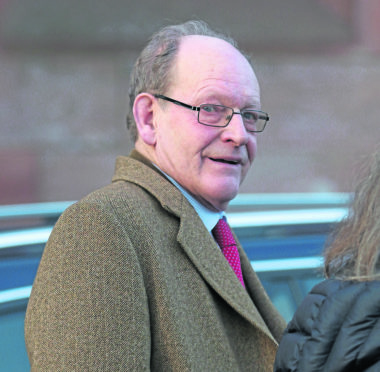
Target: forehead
x,y
207,64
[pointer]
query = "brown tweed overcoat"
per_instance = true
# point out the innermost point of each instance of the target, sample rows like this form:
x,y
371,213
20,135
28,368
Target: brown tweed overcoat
x,y
131,280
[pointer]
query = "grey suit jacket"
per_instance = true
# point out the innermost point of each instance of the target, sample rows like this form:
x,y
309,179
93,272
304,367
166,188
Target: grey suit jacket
x,y
131,280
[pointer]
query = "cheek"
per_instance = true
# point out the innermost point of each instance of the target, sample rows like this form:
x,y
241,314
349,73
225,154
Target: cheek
x,y
252,148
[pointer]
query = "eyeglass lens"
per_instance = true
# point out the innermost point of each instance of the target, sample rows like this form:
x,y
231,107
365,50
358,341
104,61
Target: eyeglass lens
x,y
220,116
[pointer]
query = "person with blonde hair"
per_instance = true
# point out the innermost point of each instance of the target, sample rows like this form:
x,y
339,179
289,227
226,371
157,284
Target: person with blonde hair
x,y
336,328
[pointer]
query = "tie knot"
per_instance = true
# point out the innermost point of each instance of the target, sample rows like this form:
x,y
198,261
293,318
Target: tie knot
x,y
223,234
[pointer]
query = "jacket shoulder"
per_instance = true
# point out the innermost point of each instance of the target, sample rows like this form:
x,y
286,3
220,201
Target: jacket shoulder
x,y
332,328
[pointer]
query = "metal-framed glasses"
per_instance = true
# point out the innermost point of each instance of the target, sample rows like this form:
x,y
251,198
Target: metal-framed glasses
x,y
220,116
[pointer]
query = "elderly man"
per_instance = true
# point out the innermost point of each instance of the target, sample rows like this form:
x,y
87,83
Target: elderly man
x,y
145,273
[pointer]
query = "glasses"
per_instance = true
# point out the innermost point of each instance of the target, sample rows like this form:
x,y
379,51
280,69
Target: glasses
x,y
220,116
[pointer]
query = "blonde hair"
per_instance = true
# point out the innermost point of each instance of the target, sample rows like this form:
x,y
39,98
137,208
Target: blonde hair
x,y
355,248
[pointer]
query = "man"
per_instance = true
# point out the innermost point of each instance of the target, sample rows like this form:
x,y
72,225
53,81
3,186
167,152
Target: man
x,y
132,278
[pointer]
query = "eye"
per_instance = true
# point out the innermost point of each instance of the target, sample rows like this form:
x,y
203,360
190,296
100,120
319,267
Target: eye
x,y
208,108
250,116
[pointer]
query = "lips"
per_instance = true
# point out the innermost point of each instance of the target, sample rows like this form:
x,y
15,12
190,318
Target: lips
x,y
226,161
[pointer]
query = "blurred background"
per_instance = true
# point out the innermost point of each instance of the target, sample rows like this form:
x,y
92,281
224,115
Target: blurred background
x,y
64,69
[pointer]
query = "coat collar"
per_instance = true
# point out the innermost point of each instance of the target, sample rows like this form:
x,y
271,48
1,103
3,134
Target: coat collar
x,y
201,248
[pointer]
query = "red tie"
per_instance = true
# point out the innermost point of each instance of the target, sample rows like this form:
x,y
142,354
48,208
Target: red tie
x,y
223,235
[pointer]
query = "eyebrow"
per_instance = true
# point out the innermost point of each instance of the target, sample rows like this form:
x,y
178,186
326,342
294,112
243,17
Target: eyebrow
x,y
255,106
220,98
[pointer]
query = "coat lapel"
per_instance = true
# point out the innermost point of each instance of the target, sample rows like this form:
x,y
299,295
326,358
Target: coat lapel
x,y
206,255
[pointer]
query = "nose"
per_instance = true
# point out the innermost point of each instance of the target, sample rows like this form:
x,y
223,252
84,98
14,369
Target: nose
x,y
235,131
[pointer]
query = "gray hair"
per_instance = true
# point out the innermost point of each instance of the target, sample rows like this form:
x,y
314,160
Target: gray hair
x,y
151,72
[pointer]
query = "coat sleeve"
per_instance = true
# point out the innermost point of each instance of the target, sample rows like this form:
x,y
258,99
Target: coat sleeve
x,y
88,308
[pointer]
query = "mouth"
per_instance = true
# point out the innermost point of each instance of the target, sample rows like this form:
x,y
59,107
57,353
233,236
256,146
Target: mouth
x,y
226,161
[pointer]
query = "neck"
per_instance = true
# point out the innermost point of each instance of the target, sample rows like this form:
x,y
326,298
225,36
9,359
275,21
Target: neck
x,y
146,151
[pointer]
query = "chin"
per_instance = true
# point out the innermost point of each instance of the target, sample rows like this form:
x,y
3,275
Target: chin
x,y
228,192
221,203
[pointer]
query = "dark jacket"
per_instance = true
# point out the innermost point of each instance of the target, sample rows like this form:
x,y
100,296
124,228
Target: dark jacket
x,y
131,280
336,328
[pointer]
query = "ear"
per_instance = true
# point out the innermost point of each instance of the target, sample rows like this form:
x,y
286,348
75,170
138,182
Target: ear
x,y
143,112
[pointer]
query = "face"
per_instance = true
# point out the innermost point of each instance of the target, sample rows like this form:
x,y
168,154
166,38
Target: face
x,y
208,162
